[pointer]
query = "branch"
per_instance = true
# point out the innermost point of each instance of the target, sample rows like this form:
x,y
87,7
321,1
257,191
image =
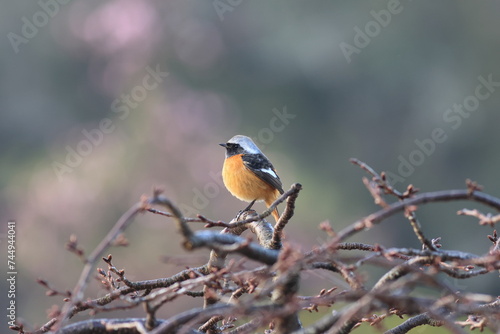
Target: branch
x,y
119,227
288,279
176,323
286,216
220,242
295,188
182,225
106,326
419,320
438,196
417,229
137,286
484,219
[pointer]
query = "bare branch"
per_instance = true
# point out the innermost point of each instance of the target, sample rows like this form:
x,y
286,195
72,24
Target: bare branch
x,y
432,197
269,295
417,228
418,320
120,226
286,216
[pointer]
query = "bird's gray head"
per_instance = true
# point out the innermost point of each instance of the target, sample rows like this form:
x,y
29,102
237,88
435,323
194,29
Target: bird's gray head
x,y
240,145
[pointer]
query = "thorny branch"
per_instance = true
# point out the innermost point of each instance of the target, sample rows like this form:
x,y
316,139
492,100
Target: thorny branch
x,y
242,300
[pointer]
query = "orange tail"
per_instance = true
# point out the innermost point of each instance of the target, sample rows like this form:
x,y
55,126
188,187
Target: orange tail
x,y
276,215
270,201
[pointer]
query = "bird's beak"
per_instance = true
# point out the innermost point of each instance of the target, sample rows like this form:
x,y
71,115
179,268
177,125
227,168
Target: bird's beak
x,y
223,145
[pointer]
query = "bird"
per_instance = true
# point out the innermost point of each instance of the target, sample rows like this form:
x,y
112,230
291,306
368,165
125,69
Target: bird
x,y
248,174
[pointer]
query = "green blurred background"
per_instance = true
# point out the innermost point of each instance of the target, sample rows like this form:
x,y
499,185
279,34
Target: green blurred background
x,y
86,128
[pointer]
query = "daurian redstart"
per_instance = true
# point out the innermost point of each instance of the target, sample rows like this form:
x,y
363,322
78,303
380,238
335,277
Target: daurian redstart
x,y
248,174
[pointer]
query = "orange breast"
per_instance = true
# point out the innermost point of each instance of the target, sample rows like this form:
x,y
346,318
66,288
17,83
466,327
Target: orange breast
x,y
244,184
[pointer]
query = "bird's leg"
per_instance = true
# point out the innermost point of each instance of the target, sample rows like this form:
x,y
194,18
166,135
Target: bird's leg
x,y
245,209
249,205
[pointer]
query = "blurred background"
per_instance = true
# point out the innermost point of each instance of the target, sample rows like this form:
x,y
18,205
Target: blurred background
x,y
102,100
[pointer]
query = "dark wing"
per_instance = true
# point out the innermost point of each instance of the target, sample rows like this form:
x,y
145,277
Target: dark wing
x,y
263,168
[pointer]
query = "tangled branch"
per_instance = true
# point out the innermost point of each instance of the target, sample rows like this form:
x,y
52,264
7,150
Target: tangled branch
x,y
268,296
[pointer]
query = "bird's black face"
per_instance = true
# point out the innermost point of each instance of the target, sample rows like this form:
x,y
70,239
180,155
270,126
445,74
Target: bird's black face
x,y
232,149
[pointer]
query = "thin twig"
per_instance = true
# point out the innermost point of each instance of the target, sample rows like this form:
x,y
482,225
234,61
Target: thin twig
x,y
119,227
417,229
484,219
430,197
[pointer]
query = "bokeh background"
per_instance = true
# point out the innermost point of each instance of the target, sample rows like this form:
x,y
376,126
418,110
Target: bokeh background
x,y
86,127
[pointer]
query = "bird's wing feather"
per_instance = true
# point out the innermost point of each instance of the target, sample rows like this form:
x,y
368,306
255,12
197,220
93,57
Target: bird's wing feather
x,y
263,168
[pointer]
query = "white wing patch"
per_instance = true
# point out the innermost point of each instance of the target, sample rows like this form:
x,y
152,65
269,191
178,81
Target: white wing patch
x,y
269,171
